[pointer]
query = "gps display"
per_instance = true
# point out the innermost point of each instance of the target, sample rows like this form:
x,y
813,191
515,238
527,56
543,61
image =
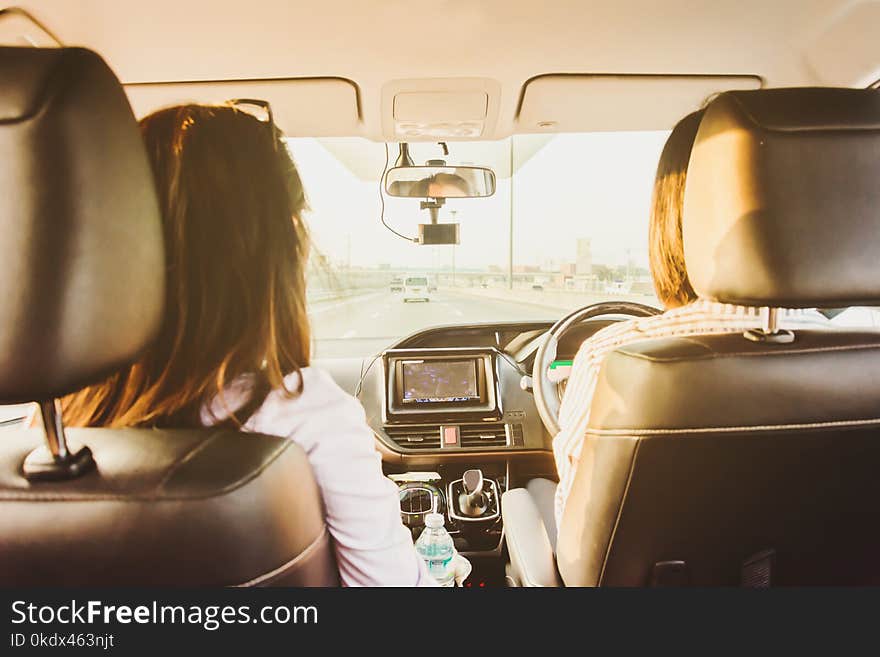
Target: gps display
x,y
439,381
444,385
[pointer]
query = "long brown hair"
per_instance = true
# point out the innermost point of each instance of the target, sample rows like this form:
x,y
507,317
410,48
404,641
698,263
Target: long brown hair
x,y
236,249
665,243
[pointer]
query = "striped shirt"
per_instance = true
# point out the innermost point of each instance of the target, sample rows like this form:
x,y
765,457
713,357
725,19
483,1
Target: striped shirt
x,y
700,317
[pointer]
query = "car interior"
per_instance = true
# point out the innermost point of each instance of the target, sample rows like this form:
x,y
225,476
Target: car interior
x,y
519,142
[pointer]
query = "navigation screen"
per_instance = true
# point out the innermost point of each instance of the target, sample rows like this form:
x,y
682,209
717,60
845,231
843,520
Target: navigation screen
x,y
426,381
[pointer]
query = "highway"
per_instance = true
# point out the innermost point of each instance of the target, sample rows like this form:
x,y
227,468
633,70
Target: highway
x,y
362,325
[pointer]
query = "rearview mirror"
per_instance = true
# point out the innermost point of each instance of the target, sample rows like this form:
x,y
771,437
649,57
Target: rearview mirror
x,y
440,182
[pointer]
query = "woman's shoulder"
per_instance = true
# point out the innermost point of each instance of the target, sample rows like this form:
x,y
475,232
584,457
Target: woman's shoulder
x,y
610,337
317,388
321,411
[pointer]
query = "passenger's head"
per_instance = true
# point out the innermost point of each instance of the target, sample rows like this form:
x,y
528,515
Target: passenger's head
x,y
665,244
236,249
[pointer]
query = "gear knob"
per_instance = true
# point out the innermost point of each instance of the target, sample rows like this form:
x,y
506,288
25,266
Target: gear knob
x,y
473,482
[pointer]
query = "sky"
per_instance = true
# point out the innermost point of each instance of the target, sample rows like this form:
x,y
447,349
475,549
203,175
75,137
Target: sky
x,y
593,185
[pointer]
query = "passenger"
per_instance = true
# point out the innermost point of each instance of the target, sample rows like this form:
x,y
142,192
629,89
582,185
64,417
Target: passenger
x,y
234,347
684,314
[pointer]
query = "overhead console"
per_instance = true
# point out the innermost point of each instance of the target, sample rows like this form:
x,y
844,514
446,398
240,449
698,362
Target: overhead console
x,y
432,109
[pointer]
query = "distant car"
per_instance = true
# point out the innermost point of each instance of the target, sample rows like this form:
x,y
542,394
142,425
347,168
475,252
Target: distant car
x,y
537,287
432,287
618,287
415,288
397,285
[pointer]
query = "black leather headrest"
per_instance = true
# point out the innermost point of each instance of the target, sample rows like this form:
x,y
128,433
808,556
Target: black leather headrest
x,y
82,264
782,200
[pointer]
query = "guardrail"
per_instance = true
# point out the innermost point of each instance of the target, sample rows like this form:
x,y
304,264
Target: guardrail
x,y
316,297
552,299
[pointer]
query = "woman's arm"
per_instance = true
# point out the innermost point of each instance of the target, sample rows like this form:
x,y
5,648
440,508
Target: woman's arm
x,y
362,508
373,548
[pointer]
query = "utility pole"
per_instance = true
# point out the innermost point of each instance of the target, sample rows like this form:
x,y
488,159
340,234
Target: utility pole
x,y
510,228
453,213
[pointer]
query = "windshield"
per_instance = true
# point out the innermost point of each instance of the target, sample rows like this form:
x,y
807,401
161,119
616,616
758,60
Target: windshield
x,y
567,228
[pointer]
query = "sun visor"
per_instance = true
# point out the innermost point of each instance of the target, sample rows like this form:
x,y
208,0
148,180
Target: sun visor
x,y
588,103
302,107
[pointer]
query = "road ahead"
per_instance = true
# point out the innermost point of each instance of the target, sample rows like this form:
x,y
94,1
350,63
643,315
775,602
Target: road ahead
x,y
362,325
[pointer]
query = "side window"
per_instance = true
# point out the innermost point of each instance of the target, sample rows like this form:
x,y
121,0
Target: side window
x,y
858,317
14,414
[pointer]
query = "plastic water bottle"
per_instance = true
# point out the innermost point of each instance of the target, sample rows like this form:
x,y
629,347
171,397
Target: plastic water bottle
x,y
435,546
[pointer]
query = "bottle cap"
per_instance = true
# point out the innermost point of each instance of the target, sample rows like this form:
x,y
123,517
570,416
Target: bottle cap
x,y
434,520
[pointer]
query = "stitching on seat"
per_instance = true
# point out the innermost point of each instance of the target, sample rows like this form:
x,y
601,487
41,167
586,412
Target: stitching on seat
x,y
312,547
786,129
750,354
30,496
741,429
629,477
284,444
187,458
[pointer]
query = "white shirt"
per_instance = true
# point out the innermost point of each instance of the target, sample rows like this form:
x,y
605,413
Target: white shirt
x,y
373,548
700,317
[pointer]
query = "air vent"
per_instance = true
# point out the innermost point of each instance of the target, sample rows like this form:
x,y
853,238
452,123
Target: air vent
x,y
423,436
487,434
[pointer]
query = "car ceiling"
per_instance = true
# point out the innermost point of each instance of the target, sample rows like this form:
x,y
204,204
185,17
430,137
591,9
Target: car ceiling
x,y
338,68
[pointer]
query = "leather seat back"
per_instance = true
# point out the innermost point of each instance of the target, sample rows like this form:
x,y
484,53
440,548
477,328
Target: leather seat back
x,y
82,282
165,508
711,450
716,459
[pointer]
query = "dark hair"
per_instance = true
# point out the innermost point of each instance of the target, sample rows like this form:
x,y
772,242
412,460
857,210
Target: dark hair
x,y
665,244
236,250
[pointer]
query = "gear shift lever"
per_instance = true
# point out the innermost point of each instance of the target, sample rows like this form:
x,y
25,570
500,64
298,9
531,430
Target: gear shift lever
x,y
473,502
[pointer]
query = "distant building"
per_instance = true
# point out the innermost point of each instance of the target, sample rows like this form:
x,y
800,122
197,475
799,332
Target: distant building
x,y
584,263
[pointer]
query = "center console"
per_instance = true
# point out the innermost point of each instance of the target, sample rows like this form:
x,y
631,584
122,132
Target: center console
x,y
470,501
453,424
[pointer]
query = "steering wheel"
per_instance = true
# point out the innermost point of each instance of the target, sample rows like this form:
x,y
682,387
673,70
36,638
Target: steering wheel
x,y
546,391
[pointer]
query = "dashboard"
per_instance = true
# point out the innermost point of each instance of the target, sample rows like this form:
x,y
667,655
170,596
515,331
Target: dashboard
x,y
451,393
455,392
453,404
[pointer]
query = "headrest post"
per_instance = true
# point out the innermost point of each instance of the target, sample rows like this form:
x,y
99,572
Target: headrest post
x,y
770,331
53,425
771,320
56,460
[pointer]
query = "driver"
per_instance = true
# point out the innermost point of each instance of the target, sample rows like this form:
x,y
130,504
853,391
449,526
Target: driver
x,y
684,314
